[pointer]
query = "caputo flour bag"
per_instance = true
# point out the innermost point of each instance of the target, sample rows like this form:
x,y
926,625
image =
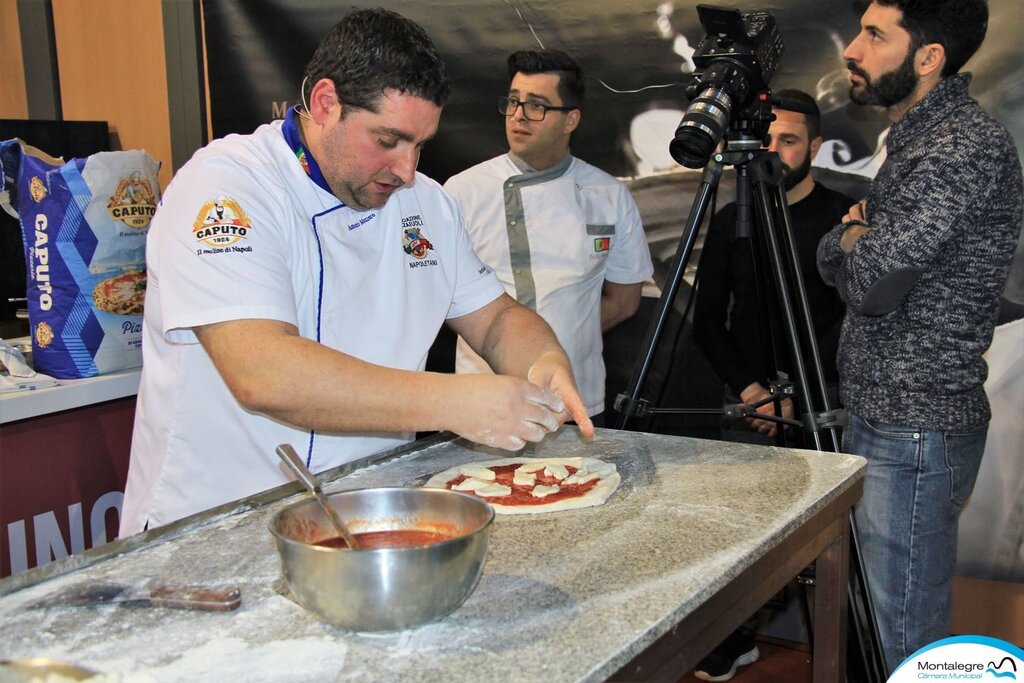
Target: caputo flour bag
x,y
84,225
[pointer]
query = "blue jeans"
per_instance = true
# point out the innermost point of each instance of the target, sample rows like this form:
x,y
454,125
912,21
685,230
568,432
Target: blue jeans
x,y
916,485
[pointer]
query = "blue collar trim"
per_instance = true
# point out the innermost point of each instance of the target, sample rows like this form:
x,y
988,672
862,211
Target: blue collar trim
x,y
290,130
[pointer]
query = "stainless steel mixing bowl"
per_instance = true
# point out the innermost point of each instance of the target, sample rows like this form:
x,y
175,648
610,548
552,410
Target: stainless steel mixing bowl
x,y
384,589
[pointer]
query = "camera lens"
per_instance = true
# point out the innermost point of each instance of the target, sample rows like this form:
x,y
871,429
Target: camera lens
x,y
703,125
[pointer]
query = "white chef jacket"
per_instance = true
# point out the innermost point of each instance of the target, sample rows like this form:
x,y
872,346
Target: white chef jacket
x,y
244,233
553,237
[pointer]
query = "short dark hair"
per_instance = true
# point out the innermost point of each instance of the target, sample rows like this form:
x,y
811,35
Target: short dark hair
x,y
798,101
373,50
570,81
958,25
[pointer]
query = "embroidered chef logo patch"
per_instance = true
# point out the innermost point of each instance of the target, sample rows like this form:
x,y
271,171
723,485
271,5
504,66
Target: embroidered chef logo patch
x,y
222,224
602,244
415,243
133,202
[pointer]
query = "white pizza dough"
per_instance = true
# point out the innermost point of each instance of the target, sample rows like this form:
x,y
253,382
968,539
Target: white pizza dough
x,y
605,487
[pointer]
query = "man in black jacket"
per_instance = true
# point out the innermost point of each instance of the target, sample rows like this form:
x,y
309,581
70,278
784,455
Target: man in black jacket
x,y
728,318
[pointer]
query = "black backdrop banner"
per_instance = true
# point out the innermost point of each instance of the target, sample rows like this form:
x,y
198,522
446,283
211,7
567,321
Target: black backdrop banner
x,y
635,53
257,51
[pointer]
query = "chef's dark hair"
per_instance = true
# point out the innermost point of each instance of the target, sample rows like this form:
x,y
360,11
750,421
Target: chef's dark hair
x,y
570,81
792,99
371,51
958,25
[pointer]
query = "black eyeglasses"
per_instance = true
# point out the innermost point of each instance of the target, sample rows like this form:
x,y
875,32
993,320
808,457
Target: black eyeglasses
x,y
533,111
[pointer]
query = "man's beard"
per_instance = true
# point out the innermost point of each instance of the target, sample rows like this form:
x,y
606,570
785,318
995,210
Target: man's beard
x,y
791,177
892,88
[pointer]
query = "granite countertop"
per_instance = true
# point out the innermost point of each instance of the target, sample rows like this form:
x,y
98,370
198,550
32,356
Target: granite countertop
x,y
567,596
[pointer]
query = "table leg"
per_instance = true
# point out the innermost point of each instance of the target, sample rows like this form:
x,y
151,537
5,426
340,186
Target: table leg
x,y
831,574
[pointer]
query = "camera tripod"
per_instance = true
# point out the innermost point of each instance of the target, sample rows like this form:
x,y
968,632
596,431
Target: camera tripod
x,y
759,178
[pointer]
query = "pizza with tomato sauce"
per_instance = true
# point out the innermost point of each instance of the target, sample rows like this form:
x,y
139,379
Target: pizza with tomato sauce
x,y
516,486
122,295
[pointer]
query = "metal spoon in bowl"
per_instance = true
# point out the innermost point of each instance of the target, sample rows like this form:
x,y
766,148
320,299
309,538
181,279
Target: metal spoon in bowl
x,y
292,459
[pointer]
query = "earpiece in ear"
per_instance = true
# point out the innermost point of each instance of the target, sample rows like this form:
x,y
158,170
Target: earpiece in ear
x,y
304,110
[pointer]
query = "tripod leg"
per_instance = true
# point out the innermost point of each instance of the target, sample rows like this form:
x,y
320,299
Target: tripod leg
x,y
767,176
874,662
783,290
627,403
788,245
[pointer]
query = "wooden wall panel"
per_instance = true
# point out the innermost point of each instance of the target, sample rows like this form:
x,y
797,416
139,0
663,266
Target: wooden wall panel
x,y
13,101
112,68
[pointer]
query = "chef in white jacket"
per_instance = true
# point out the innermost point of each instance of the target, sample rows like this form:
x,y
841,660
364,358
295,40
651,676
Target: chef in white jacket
x,y
564,237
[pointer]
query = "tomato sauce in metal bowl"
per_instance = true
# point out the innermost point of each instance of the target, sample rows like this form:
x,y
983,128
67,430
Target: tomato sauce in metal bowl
x,y
392,538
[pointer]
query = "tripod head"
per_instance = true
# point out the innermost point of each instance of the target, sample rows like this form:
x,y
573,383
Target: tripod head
x,y
749,129
746,145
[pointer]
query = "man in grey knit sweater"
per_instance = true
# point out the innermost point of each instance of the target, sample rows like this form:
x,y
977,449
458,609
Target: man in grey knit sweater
x,y
921,263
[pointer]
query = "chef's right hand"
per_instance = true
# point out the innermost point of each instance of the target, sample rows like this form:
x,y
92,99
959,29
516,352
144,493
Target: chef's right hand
x,y
503,411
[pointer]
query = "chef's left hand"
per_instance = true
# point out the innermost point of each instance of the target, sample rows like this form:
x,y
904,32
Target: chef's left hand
x,y
553,372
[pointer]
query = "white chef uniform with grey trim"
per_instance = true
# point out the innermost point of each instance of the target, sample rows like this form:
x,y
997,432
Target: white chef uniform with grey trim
x,y
349,279
553,237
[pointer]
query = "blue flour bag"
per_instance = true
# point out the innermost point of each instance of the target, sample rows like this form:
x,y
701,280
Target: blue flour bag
x,y
84,224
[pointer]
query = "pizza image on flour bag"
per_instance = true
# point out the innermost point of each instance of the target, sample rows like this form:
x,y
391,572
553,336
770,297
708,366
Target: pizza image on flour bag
x,y
515,486
122,294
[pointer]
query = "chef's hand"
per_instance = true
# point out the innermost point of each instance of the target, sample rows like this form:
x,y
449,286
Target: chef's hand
x,y
553,373
503,411
756,393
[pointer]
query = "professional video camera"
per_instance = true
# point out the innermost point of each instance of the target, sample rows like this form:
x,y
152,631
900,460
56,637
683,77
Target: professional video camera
x,y
735,62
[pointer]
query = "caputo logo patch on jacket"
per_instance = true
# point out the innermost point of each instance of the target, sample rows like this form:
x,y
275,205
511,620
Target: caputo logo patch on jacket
x,y
221,223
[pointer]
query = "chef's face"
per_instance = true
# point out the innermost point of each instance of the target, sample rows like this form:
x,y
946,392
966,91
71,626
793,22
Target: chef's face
x,y
541,144
368,155
881,59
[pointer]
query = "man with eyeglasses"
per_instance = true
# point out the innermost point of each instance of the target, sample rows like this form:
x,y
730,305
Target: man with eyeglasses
x,y
564,237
